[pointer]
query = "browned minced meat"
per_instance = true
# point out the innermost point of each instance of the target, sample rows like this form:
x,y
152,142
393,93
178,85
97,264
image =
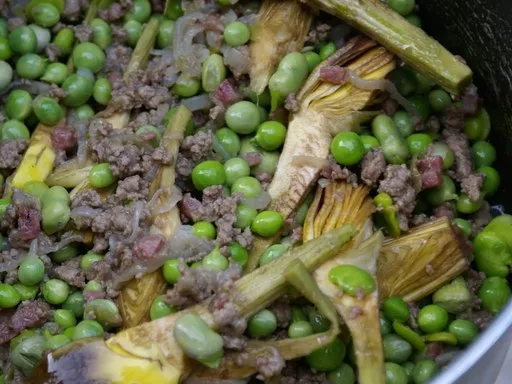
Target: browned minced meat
x,y
228,318
453,118
268,365
118,57
481,218
226,94
196,285
83,32
282,310
470,102
253,158
87,198
373,166
73,9
318,33
126,159
13,22
333,171
296,372
71,273
472,185
218,208
11,152
291,103
30,314
52,51
445,209
481,318
398,184
193,150
132,188
116,11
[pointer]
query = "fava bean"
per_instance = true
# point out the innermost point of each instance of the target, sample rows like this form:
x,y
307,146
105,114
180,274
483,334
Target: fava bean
x,y
494,293
9,297
159,308
101,33
432,318
105,312
290,75
393,145
55,73
86,329
396,309
464,330
267,223
454,297
352,280
27,354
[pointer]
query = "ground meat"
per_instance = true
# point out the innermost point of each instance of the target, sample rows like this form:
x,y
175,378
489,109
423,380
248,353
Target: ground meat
x,y
291,103
116,11
11,152
253,158
52,51
470,102
226,94
231,323
481,318
481,218
197,147
318,33
444,210
148,247
373,166
431,171
13,22
474,280
29,225
131,189
472,184
282,309
63,138
71,273
118,57
73,9
196,285
453,118
459,144
390,106
433,124
333,171
87,198
398,184
296,372
83,32
30,314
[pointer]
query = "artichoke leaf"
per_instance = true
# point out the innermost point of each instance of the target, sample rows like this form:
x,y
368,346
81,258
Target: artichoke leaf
x,y
70,174
361,314
151,345
273,35
136,298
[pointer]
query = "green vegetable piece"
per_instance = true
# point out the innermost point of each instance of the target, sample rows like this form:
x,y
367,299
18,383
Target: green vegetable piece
x,y
270,135
198,341
272,253
299,329
55,73
6,74
396,309
248,186
55,216
64,39
35,188
23,40
244,215
89,259
396,349
445,192
27,354
439,99
441,337
56,342
165,34
141,11
205,229
344,374
90,56
409,335
236,34
5,49
100,176
327,358
238,253
102,92
78,89
26,292
93,286
208,173
243,117
262,324
31,271
171,271
395,374
492,180
84,112
432,318
215,260
421,105
47,110
387,213
478,127
494,293
418,143
133,30
352,280
75,303
18,105
403,122
56,193
101,33
55,291
464,226
87,328
424,371
267,223
369,142
65,318
483,154
9,297
454,297
385,325
235,169
30,66
45,14
105,312
404,80
392,143
186,86
464,330
214,72
151,130
174,10
313,59
327,50
159,308
467,206
228,141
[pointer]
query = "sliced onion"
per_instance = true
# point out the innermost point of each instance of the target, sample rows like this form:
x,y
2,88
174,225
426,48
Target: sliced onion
x,y
198,103
137,211
381,85
84,212
12,263
229,17
260,202
20,198
81,138
173,197
188,55
44,249
309,161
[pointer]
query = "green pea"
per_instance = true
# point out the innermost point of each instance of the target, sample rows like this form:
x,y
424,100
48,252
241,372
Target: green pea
x,y
424,371
327,358
238,253
213,73
141,11
4,27
267,223
55,216
421,105
235,169
492,180
186,86
483,154
414,20
216,261
313,59
145,129
464,330
13,130
478,127
35,188
432,318
55,73
9,297
79,89
228,140
56,193
165,35
385,325
236,34
27,354
26,292
395,374
101,33
84,112
396,349
93,286
352,280
89,259
344,374
442,150
133,32
65,318
205,229
464,226
263,99
208,173
244,215
299,329
418,143
43,36
197,340
105,312
102,91
75,303
55,291
494,293
56,342
243,117
424,84
69,332
248,186
439,100
272,253
5,74
88,55
31,271
270,135
18,105
64,39
5,49
23,40
327,50
369,142
403,122
4,203
87,328
466,205
30,66
47,110
445,192
404,80
171,271
454,297
45,14
159,308
393,145
396,309
101,176
174,10
262,324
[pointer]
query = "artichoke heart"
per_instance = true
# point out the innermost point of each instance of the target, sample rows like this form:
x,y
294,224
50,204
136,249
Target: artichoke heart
x,y
274,34
136,298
